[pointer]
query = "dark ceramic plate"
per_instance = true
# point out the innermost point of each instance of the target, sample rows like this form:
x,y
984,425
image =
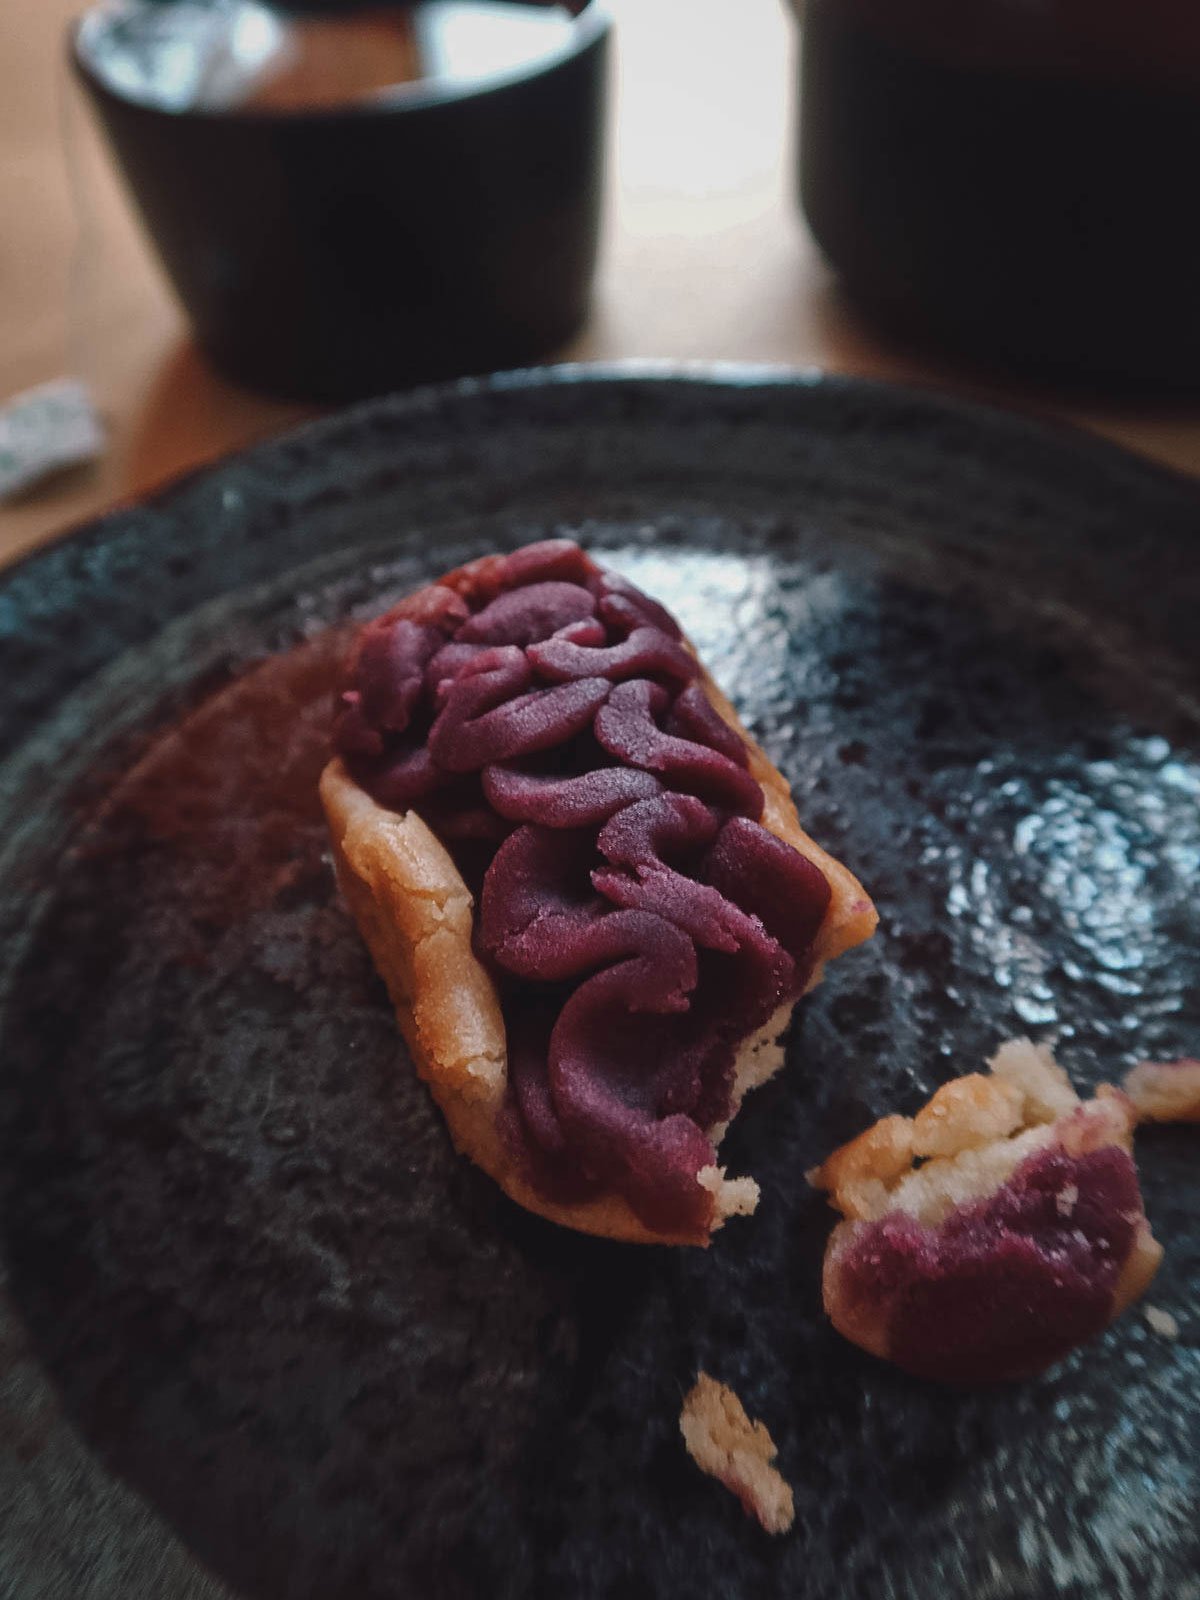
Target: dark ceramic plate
x,y
264,1330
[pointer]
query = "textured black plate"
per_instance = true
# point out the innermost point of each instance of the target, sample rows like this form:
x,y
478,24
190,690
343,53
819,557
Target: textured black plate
x,y
261,1323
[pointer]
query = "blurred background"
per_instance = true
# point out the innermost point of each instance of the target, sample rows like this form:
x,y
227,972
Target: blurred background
x,y
704,253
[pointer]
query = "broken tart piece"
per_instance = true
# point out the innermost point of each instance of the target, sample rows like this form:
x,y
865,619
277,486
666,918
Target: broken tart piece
x,y
993,1232
586,887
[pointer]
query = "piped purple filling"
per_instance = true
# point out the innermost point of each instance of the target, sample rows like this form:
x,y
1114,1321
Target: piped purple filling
x,y
546,720
1004,1288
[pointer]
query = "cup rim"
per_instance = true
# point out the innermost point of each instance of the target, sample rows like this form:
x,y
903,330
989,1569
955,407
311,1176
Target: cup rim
x,y
588,25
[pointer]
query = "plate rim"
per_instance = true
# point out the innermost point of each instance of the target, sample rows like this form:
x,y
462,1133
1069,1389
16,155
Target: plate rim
x,y
432,401
644,372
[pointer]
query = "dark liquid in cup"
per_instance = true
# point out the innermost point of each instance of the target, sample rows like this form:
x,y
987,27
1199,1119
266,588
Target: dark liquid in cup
x,y
1014,182
228,55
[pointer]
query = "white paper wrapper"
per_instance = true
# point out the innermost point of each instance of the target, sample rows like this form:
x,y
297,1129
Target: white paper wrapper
x,y
44,429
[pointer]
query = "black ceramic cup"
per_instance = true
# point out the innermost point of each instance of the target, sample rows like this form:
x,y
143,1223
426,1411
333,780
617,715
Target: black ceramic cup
x,y
330,254
1013,183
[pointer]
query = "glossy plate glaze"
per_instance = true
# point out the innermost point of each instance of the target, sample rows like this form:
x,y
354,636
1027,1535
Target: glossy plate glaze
x,y
263,1332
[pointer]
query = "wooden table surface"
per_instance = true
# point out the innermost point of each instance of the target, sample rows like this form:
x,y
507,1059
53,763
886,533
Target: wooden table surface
x,y
704,255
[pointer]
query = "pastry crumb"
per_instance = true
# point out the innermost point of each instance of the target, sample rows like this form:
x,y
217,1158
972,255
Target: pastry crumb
x,y
722,1441
734,1197
1161,1321
1165,1091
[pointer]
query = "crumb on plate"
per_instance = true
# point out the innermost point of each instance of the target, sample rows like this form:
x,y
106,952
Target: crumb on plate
x,y
723,1442
1165,1091
1161,1321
